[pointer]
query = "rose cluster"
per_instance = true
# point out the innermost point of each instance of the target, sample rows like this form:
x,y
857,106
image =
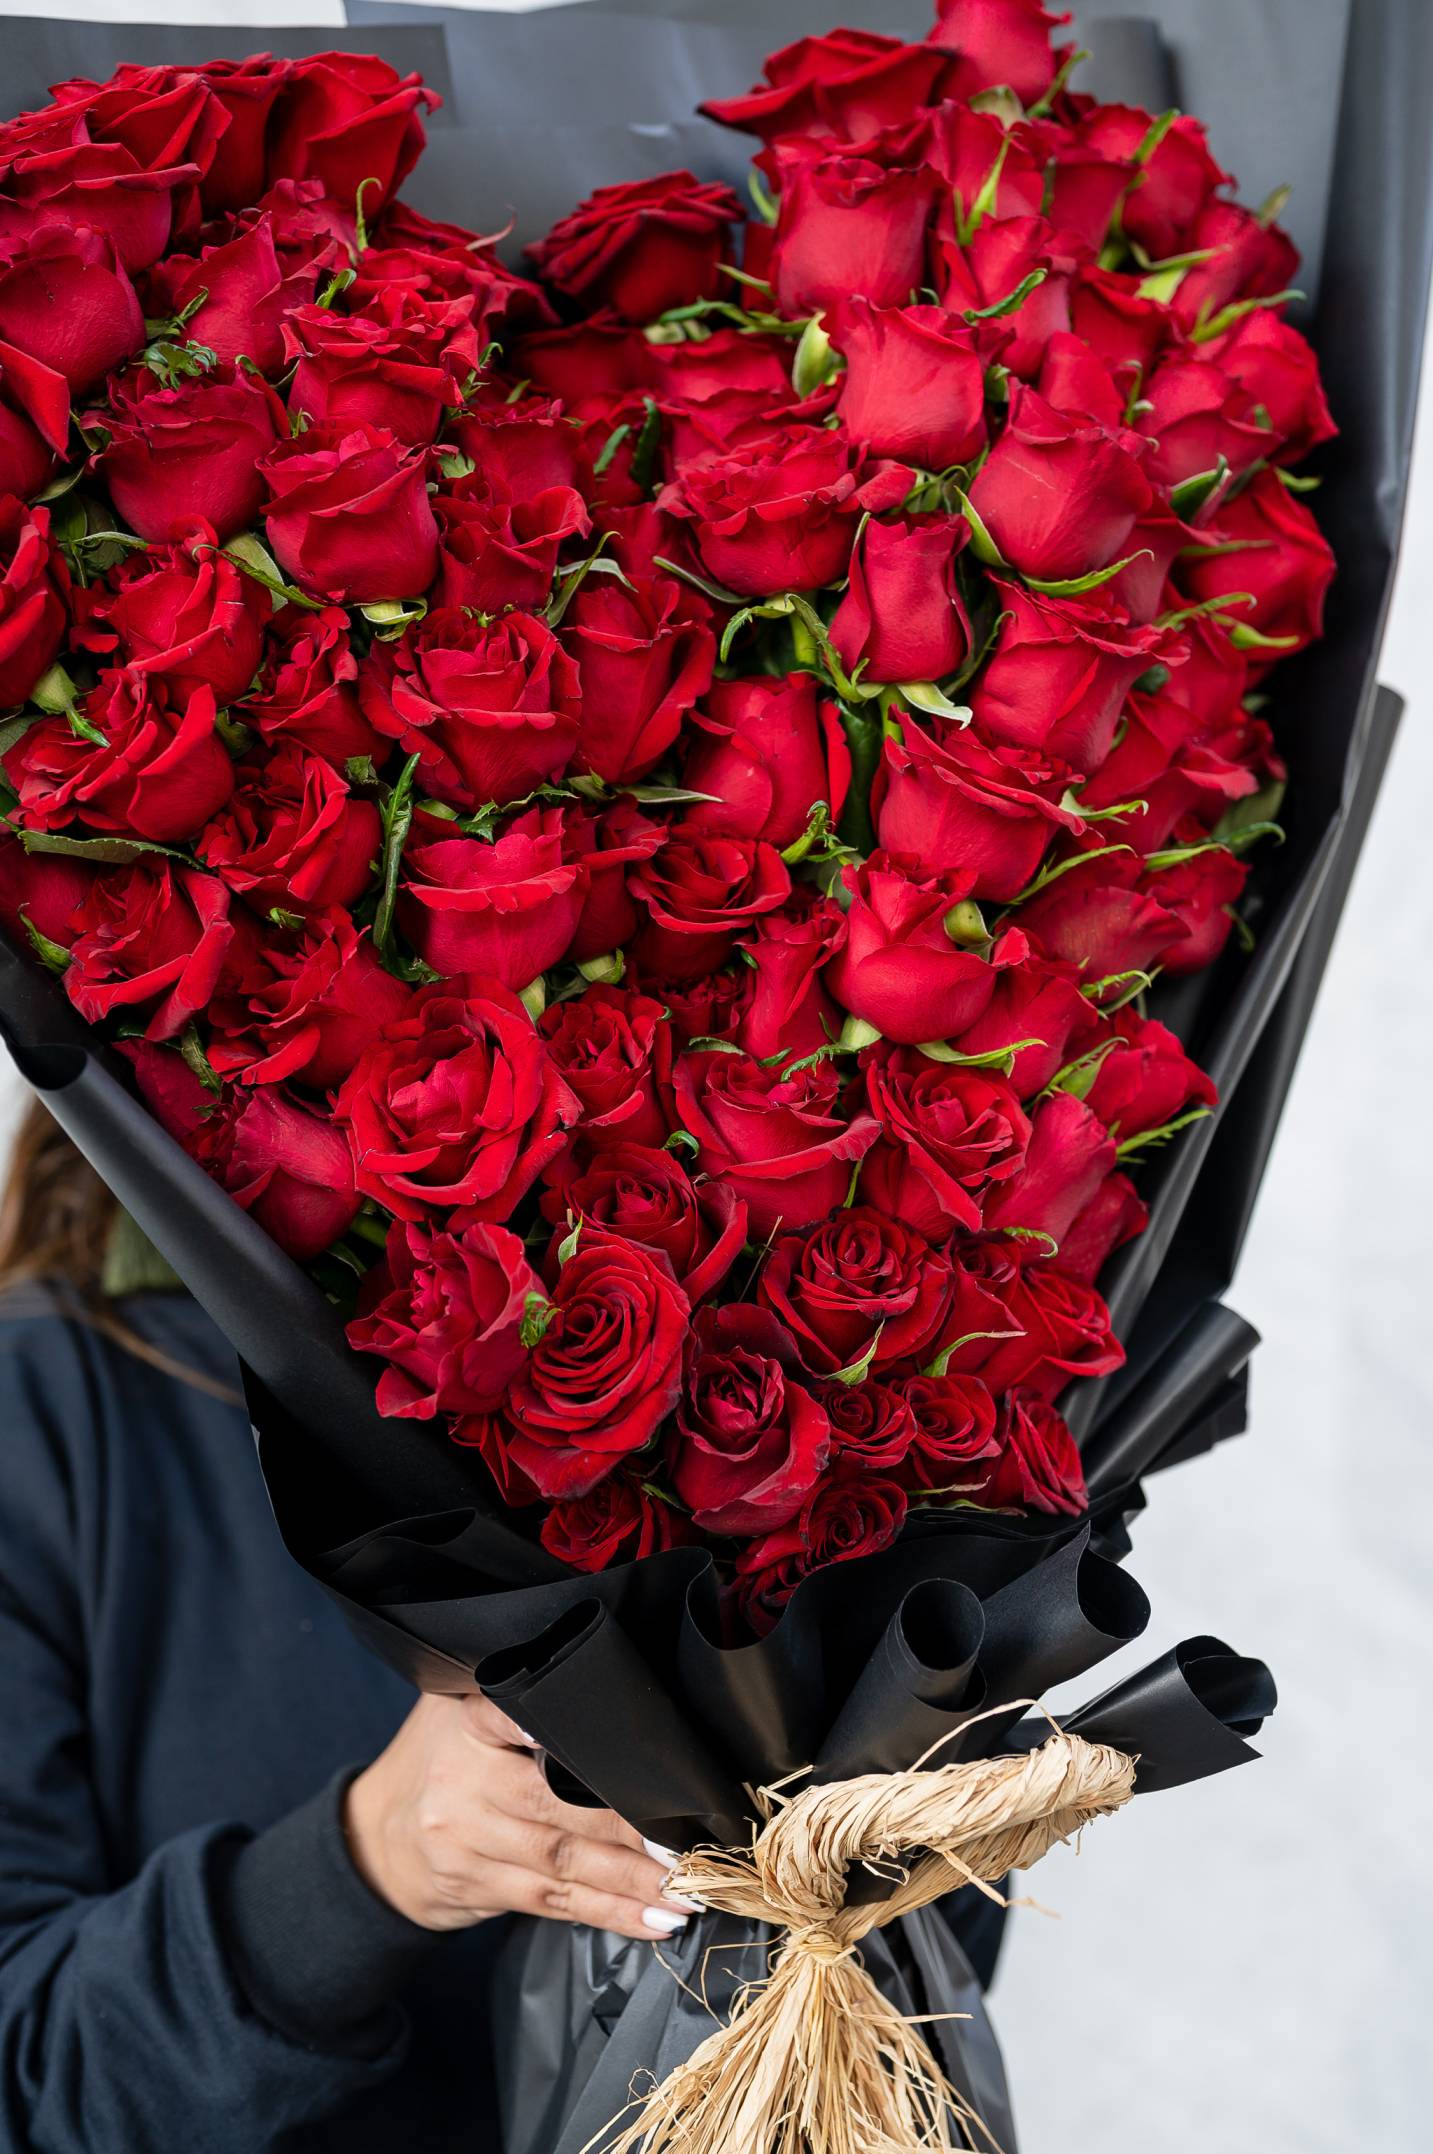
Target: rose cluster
x,y
628,813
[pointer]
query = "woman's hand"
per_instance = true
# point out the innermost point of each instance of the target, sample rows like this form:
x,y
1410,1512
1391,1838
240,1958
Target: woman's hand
x,y
454,1822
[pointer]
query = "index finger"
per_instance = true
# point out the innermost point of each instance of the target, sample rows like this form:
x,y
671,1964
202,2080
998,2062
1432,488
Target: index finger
x,y
519,1788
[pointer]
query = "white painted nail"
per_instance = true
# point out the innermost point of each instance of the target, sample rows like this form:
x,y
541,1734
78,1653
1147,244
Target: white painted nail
x,y
523,1737
663,1919
667,1855
693,1907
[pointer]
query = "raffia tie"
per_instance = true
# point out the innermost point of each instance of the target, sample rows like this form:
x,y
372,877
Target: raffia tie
x,y
813,2059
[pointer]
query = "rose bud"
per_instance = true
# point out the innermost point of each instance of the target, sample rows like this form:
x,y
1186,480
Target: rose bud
x,y
300,1005
154,772
1108,314
845,86
1069,1154
1038,1003
840,1521
999,41
945,798
709,1009
1065,1333
954,1440
641,246
282,1162
1039,1464
308,690
1278,369
619,1521
347,118
385,369
1074,379
647,1196
1245,258
613,1047
699,892
1104,918
872,1426
246,90
191,455
149,938
788,1011
45,889
1200,893
606,846
494,553
1115,1214
66,302
606,1370
947,1134
34,598
293,835
859,1290
766,750
914,385
1174,181
899,968
1057,496
34,422
902,618
240,294
182,611
783,1143
445,1311
1059,673
781,513
1197,415
750,1440
1283,559
491,708
849,223
348,516
507,909
645,654
985,269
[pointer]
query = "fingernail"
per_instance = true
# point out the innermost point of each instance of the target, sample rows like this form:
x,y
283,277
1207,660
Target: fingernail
x,y
667,1855
693,1907
661,1918
523,1737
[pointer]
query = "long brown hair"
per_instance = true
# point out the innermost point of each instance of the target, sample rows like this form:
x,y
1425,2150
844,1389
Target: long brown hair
x,y
58,1229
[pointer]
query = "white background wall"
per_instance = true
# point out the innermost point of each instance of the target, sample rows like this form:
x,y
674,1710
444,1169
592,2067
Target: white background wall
x,y
1246,1967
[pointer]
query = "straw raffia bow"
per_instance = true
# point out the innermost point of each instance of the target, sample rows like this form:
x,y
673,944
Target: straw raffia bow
x,y
813,2059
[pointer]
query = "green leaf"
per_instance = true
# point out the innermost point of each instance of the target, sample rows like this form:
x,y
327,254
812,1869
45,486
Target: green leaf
x,y
16,728
856,1372
567,1247
648,446
235,736
603,463
1076,586
609,970
52,955
716,591
941,1365
537,1313
681,1140
982,545
248,554
1133,982
1216,324
1009,303
359,219
397,816
1052,874
814,360
1149,1138
1078,1077
925,696
109,852
1245,638
390,618
191,1048
1073,59
991,1058
1190,495
862,729
762,197
289,922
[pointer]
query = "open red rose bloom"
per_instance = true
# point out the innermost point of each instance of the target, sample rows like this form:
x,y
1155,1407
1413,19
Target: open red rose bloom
x,y
628,813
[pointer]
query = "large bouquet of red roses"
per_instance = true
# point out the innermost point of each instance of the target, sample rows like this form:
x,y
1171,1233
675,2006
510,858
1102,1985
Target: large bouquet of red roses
x,y
628,816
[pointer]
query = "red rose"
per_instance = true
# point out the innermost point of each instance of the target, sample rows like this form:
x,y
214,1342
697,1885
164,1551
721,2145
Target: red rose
x,y
53,175
239,292
647,1196
1058,497
1283,559
428,262
605,1372
860,1289
787,1009
246,90
899,968
163,116
140,766
619,1521
34,422
872,1427
645,654
603,359
506,908
840,1521
183,611
349,516
346,118
383,368
849,223
1105,917
1069,1155
947,1134
1074,379
699,892
66,302
1059,673
491,708
902,618
308,690
301,1005
708,1009
954,1437
1200,895
750,1440
641,246
294,835
1166,761
606,847
1173,183
945,798
34,598
1278,369
1115,1214
613,1047
47,889
1244,258
783,1144
1108,314
1087,183
522,443
999,41
848,84
766,750
1196,416
1065,1333
780,513
1035,1002
191,455
148,938
281,1161
985,269
445,1311
1039,1465
454,1103
310,231
914,385
493,552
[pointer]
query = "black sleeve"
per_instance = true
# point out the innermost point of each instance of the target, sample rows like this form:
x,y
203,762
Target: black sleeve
x,y
238,1986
